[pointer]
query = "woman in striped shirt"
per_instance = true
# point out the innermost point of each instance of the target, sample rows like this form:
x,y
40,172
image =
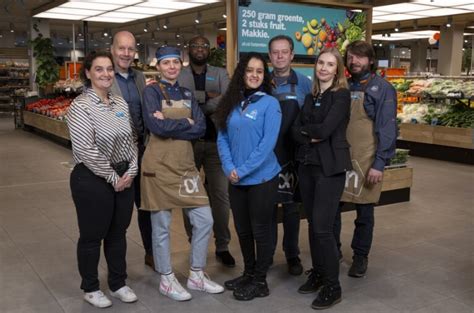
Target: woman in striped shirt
x,y
105,154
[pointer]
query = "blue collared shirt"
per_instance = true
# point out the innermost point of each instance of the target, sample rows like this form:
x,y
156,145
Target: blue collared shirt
x,y
130,93
303,86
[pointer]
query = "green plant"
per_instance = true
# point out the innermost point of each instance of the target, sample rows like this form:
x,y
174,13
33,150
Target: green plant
x,y
47,71
217,57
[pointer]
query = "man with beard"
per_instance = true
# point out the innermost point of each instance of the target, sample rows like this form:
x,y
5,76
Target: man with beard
x,y
209,83
372,134
129,84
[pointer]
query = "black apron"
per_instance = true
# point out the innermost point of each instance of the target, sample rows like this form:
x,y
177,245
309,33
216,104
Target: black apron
x,y
285,148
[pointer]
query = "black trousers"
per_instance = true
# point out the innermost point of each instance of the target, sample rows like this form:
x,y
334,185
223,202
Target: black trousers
x,y
102,214
363,231
321,195
144,217
252,209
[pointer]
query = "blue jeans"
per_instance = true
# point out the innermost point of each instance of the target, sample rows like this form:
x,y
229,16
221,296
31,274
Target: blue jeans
x,y
291,230
201,221
363,231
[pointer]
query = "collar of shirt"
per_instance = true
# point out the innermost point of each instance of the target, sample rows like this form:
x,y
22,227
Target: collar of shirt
x,y
292,79
96,99
197,74
131,74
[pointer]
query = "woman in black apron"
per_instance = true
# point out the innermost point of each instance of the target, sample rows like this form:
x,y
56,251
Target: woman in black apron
x,y
323,154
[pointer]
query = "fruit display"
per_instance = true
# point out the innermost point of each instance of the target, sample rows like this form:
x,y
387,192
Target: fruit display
x,y
73,85
316,35
54,108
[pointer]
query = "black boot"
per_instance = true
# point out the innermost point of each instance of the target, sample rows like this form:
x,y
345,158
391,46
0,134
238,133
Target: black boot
x,y
238,282
294,266
312,284
252,290
359,266
327,297
225,258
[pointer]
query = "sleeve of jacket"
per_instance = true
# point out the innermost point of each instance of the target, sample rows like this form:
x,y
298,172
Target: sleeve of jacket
x,y
223,147
340,109
211,105
298,137
169,128
385,127
140,83
83,143
267,143
199,128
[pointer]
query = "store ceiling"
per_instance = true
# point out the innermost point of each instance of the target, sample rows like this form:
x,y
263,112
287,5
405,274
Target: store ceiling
x,y
16,14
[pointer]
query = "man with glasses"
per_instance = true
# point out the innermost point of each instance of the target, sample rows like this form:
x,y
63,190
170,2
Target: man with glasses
x,y
129,84
208,83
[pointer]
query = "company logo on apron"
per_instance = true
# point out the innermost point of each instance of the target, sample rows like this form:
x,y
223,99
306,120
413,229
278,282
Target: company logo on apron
x,y
374,88
354,180
252,115
189,186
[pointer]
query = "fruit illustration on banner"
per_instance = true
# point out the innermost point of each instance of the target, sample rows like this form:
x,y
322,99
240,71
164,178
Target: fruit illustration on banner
x,y
315,35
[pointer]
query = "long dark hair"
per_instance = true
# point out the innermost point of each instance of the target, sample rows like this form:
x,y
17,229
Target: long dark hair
x,y
235,92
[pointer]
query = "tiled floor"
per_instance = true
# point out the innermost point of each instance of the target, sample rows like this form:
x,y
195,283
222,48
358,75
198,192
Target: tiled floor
x,y
422,257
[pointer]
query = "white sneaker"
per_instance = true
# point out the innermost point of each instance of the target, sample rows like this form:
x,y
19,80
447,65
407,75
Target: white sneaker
x,y
170,287
97,299
125,294
198,280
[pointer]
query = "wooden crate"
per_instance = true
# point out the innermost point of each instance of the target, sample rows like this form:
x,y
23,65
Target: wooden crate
x,y
454,137
47,124
397,178
417,133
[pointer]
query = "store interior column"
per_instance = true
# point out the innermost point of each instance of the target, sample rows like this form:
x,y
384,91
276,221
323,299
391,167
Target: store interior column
x,y
450,50
419,55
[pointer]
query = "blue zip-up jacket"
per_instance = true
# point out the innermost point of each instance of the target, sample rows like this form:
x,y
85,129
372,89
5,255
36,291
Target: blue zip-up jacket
x,y
248,142
179,129
380,104
303,86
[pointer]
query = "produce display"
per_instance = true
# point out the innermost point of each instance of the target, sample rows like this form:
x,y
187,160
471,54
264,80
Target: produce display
x,y
316,35
73,85
455,116
401,157
419,113
435,87
54,108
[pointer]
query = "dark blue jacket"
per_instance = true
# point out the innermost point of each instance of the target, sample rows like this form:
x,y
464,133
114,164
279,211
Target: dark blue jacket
x,y
172,128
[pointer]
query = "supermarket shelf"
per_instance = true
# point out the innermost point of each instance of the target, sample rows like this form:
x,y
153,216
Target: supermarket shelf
x,y
46,124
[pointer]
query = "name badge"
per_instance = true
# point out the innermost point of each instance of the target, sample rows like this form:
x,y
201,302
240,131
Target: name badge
x,y
210,78
355,97
317,104
187,103
120,114
252,115
291,97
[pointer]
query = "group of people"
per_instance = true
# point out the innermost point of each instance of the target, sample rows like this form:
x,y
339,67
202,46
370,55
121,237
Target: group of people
x,y
265,140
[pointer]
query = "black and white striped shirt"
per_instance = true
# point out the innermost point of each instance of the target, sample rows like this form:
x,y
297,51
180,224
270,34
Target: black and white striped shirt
x,y
102,134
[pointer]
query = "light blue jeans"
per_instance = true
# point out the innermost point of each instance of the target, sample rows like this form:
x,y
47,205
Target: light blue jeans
x,y
201,221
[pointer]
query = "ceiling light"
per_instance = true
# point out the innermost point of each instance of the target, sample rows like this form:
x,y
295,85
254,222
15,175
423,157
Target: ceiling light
x,y
380,44
12,30
157,24
198,18
224,15
106,34
397,27
450,22
145,29
465,40
165,25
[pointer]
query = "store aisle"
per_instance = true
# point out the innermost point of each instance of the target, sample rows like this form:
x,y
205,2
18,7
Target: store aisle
x,y
422,259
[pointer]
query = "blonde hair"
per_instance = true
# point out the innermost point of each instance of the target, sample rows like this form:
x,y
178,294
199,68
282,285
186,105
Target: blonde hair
x,y
340,80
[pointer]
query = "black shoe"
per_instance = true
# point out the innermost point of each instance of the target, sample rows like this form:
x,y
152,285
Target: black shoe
x,y
238,282
253,290
327,297
294,266
226,258
312,284
359,266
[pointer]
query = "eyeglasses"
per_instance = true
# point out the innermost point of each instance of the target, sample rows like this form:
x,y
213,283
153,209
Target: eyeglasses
x,y
196,46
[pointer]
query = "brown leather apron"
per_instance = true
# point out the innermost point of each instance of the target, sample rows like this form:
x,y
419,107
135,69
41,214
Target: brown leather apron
x,y
361,136
169,178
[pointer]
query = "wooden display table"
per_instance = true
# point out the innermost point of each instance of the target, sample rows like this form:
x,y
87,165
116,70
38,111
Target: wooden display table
x,y
438,142
46,124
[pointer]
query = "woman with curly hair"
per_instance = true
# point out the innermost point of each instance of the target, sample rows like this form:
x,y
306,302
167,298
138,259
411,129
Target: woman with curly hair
x,y
249,120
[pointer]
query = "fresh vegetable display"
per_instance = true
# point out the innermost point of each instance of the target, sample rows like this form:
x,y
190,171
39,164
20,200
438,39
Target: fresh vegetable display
x,y
54,108
317,34
456,116
401,157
